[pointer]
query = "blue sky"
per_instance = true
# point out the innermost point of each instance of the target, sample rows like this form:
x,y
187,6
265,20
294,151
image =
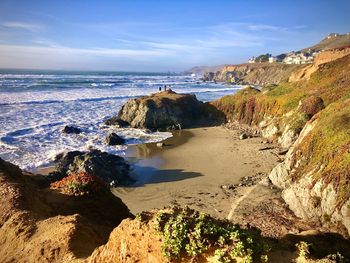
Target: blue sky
x,y
159,35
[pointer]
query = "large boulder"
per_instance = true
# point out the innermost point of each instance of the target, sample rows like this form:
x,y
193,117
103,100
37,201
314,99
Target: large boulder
x,y
168,110
71,129
114,139
112,169
208,76
114,121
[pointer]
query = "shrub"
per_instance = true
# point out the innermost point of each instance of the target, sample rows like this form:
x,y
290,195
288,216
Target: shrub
x,y
188,232
311,105
79,184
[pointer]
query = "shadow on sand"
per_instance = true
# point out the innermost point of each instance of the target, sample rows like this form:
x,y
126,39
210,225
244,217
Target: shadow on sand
x,y
321,245
151,175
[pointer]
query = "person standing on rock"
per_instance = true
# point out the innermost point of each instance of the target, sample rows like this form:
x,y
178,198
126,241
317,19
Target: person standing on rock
x,y
164,87
160,89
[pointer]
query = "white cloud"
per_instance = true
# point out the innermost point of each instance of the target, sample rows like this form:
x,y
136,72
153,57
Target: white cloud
x,y
22,25
262,27
42,50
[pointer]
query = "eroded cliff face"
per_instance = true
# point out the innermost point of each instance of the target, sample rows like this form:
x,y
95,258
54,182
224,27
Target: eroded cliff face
x,y
315,175
38,224
326,56
312,117
252,74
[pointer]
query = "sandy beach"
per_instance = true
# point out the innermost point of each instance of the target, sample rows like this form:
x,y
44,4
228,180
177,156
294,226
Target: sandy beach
x,y
191,168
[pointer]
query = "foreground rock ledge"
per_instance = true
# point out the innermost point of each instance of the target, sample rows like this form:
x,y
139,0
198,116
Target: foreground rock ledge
x,y
167,110
42,225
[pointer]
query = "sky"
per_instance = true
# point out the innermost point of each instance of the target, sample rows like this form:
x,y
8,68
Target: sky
x,y
159,35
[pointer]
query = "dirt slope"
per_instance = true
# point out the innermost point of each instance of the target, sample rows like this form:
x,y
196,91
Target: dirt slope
x,y
41,225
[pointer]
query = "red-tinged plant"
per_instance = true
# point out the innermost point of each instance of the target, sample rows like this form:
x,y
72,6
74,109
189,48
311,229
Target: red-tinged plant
x,y
79,184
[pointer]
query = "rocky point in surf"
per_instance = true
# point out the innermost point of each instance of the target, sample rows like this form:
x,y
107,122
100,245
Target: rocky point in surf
x,y
167,110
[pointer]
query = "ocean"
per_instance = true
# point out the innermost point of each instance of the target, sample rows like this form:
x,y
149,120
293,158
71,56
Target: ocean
x,y
36,105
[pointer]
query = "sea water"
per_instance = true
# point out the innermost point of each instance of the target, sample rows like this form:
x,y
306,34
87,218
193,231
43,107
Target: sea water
x,y
36,105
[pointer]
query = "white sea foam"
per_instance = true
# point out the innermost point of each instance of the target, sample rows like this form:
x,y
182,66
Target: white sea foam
x,y
35,107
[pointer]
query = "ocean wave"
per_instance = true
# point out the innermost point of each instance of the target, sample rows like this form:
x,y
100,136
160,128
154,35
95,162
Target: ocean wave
x,y
68,99
35,107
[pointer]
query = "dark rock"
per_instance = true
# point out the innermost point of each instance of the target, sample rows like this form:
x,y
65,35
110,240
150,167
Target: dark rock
x,y
243,136
208,76
228,187
114,139
282,151
113,169
168,110
71,129
115,121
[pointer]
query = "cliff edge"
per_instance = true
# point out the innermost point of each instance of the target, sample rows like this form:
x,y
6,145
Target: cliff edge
x,y
311,118
38,224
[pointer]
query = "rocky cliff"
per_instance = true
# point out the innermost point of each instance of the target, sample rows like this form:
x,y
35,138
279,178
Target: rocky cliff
x,y
167,110
252,74
315,175
312,116
38,224
305,72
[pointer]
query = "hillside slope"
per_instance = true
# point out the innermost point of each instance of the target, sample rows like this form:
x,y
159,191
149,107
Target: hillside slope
x,y
305,72
274,73
333,40
316,171
252,74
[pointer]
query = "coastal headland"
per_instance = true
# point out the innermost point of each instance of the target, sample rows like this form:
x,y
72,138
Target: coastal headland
x,y
258,176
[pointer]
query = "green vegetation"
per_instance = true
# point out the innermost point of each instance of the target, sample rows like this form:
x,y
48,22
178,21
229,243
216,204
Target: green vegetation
x,y
263,58
329,84
186,232
303,249
186,235
327,148
325,97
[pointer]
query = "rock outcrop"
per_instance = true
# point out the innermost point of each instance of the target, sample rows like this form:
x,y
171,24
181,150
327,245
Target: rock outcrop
x,y
324,57
113,169
71,129
118,123
41,225
114,139
312,116
252,74
315,174
168,110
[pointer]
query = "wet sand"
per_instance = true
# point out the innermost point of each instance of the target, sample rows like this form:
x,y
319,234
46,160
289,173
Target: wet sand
x,y
191,168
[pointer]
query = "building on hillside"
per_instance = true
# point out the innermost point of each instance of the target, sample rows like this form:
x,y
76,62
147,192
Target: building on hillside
x,y
298,58
272,59
331,35
252,60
